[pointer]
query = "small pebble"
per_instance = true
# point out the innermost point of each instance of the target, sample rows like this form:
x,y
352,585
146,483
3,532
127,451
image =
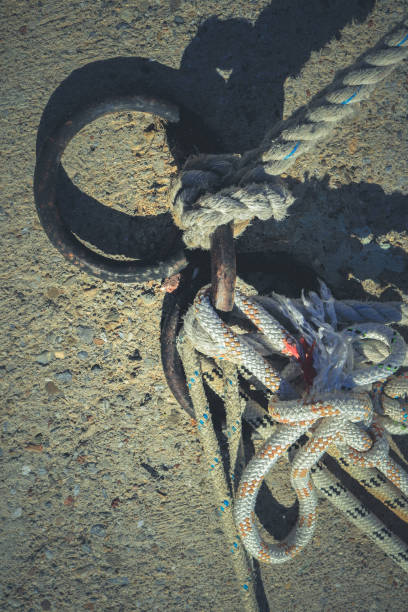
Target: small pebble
x,y
148,298
51,388
17,513
85,334
150,362
49,554
122,580
44,358
83,355
92,467
179,20
65,376
98,530
25,470
122,25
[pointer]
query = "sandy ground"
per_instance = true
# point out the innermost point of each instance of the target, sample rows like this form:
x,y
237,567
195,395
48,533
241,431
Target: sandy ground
x,y
105,504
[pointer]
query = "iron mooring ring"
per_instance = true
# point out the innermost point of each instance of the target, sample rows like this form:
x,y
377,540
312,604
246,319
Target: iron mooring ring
x,y
45,192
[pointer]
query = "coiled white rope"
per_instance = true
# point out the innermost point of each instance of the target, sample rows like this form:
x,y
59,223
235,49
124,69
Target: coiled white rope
x,y
328,413
329,485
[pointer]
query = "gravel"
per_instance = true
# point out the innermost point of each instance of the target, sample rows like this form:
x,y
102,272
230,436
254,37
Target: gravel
x,y
85,404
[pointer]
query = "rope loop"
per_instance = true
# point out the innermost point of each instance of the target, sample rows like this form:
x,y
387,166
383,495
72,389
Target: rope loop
x,y
344,398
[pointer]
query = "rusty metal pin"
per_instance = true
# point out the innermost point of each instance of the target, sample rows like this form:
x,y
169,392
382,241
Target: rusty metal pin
x,y
223,268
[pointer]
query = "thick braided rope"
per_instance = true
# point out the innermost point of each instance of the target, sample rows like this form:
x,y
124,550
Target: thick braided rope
x,y
213,190
221,342
332,488
287,142
348,311
234,407
328,485
360,515
222,490
339,415
370,478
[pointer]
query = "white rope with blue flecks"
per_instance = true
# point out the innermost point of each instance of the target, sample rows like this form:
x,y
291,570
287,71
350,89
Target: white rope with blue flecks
x,y
350,420
213,190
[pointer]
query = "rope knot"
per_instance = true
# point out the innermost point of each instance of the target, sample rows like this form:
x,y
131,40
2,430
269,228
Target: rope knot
x,y
213,190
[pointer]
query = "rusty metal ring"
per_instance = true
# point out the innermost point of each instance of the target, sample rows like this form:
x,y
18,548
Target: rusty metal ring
x,y
45,192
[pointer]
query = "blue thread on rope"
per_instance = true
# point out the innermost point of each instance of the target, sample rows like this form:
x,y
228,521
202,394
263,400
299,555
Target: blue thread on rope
x,y
216,460
402,41
245,587
293,150
351,97
235,547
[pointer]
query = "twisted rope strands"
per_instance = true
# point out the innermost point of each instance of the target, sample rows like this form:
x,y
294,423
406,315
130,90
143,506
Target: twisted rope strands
x,y
213,190
206,195
351,311
291,139
232,345
213,457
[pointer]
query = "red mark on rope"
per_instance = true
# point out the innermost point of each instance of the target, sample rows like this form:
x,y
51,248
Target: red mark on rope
x,y
290,349
306,361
